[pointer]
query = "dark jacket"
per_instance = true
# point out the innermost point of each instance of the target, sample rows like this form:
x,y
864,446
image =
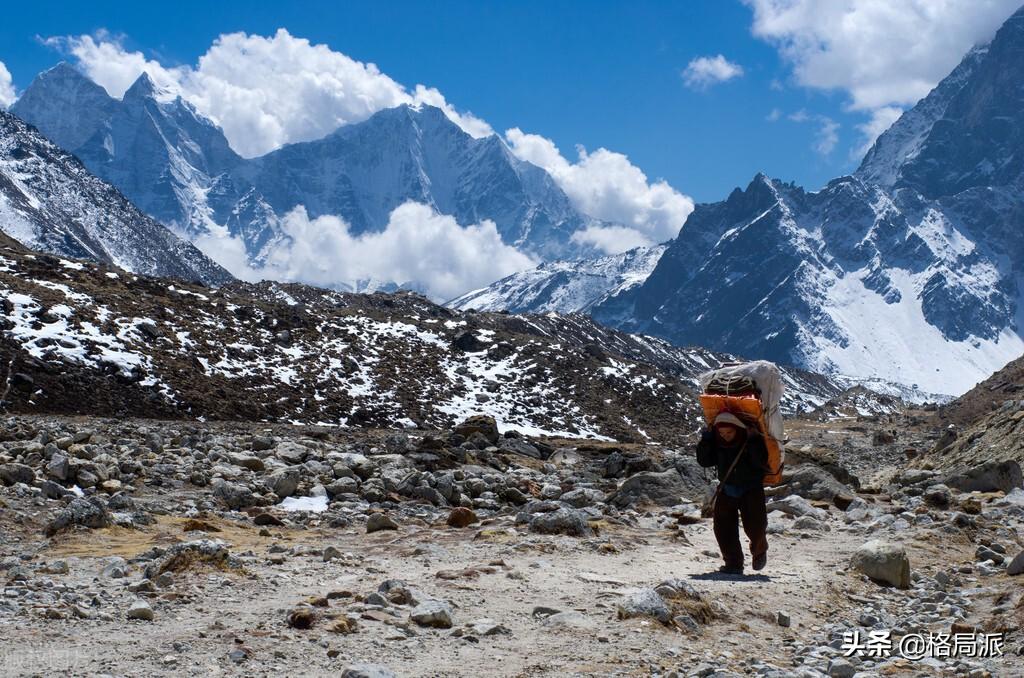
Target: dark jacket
x,y
750,469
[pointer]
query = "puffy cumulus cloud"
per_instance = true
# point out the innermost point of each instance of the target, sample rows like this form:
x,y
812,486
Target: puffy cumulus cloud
x,y
7,95
263,91
607,186
703,72
883,53
418,246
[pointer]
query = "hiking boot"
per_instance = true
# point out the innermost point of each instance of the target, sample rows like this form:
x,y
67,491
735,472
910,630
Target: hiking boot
x,y
731,569
761,561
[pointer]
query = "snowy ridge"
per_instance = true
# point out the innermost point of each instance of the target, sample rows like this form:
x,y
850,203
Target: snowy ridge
x,y
564,286
149,347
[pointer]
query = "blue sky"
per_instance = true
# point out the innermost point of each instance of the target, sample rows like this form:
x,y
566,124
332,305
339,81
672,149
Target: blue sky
x,y
599,74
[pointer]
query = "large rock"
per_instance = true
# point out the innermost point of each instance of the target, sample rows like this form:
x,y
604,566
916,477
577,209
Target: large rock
x,y
883,562
188,554
813,482
664,488
797,507
89,513
233,495
563,521
380,521
1016,565
479,423
433,613
644,603
284,483
59,467
16,473
990,476
519,446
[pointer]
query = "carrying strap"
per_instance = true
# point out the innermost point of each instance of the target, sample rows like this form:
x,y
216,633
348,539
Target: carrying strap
x,y
718,490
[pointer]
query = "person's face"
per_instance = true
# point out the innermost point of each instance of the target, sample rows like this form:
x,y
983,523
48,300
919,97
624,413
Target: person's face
x,y
728,432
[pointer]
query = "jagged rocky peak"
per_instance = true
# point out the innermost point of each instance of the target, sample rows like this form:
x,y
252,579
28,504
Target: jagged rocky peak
x,y
568,286
49,201
967,132
65,105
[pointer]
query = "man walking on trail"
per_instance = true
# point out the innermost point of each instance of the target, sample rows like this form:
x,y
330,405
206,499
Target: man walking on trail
x,y
741,457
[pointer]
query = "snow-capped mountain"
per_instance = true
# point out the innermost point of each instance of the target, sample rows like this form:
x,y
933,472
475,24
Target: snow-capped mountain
x,y
566,286
177,166
50,202
362,172
911,270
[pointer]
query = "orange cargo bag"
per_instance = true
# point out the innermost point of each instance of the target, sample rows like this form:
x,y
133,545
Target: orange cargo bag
x,y
748,409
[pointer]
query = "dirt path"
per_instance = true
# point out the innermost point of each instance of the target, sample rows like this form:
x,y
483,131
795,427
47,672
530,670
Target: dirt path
x,y
205,615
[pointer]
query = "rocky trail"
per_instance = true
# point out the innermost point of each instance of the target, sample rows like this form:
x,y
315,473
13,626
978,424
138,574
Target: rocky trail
x,y
143,547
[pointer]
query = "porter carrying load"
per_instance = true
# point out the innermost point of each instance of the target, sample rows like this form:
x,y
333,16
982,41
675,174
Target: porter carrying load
x,y
752,392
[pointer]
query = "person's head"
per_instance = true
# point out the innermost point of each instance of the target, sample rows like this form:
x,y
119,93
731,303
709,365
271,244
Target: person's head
x,y
727,432
729,427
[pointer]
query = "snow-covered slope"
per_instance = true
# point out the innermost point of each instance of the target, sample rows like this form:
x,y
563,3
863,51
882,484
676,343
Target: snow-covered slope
x,y
176,165
50,202
88,339
847,280
564,286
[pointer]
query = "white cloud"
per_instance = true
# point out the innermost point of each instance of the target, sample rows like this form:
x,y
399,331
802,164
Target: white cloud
x,y
7,95
774,115
418,245
703,72
881,120
263,91
827,136
607,186
882,52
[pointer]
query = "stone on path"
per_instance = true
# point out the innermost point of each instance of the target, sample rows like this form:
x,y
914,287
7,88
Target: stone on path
x,y
140,609
380,521
883,562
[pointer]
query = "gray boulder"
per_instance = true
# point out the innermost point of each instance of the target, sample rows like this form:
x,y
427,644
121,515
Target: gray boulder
x,y
89,513
988,477
797,507
233,495
664,488
16,473
883,562
1016,565
433,613
812,482
644,603
480,423
563,521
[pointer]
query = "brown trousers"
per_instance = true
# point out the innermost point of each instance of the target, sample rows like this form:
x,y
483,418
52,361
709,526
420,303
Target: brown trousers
x,y
751,508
